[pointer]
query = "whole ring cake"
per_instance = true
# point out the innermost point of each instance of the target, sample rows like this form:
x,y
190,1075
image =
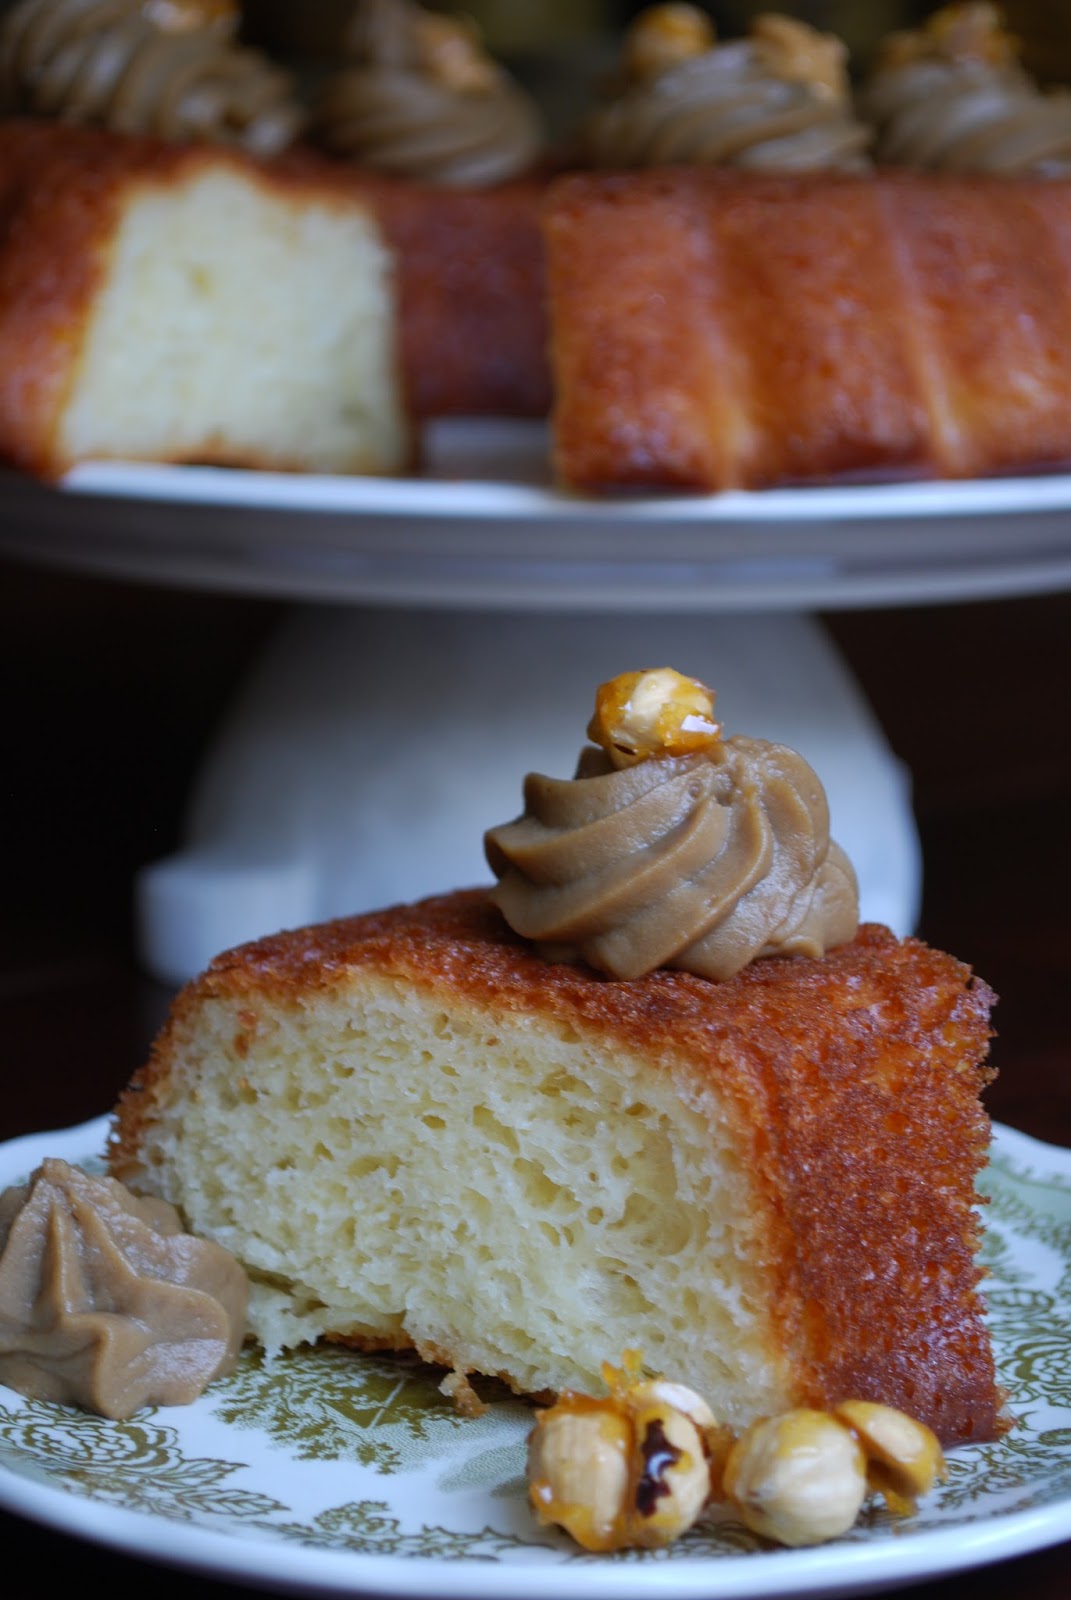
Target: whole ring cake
x,y
747,282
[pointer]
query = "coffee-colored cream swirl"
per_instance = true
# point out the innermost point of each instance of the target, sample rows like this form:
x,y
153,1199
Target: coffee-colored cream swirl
x,y
951,96
703,861
776,101
105,1302
420,99
168,68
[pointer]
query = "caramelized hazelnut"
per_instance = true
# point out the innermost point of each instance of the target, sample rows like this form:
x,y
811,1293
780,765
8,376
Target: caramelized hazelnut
x,y
656,712
904,1458
798,1478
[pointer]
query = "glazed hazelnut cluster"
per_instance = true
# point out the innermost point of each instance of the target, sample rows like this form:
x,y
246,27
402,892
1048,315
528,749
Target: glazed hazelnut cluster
x,y
637,1468
656,712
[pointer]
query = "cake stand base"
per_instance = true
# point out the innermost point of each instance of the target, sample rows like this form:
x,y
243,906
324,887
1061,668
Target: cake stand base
x,y
368,750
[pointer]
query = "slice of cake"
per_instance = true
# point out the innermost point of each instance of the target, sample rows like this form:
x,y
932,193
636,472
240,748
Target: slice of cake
x,y
414,1131
420,1128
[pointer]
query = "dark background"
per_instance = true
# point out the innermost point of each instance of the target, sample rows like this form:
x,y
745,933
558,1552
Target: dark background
x,y
517,29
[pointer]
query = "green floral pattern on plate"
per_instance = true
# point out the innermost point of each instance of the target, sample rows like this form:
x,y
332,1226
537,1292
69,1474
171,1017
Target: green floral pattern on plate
x,y
333,1451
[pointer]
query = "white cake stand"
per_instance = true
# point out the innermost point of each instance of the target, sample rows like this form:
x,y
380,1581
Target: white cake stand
x,y
446,635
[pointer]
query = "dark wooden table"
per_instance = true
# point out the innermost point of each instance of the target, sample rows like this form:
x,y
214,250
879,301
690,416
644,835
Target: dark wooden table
x,y
111,692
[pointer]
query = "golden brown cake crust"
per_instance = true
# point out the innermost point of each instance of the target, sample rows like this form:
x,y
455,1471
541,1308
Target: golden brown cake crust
x,y
471,279
854,1082
54,212
701,322
713,329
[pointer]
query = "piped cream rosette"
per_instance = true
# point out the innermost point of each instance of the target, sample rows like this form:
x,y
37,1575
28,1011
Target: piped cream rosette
x,y
673,846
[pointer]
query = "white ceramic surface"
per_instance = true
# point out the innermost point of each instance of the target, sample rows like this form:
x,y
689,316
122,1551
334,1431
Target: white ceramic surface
x,y
482,525
334,1474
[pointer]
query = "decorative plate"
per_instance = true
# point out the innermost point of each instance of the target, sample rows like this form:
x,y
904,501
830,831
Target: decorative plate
x,y
329,1473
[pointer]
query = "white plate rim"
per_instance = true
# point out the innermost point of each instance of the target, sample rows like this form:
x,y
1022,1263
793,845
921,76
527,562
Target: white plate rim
x,y
499,468
483,526
838,1569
